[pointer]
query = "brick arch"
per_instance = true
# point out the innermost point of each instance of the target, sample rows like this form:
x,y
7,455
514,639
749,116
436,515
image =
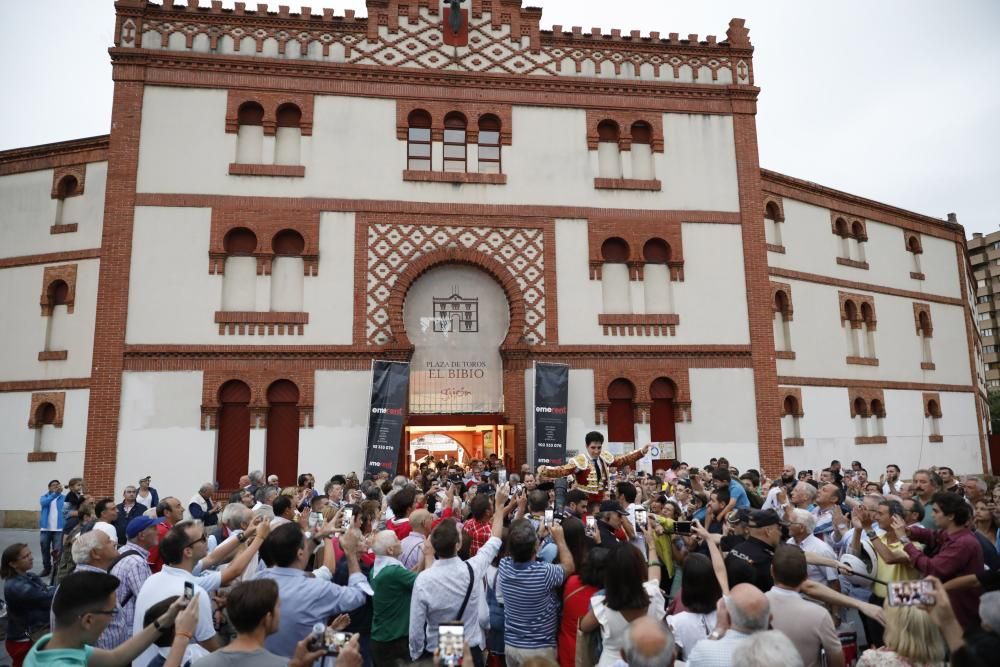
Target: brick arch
x,y
467,257
774,208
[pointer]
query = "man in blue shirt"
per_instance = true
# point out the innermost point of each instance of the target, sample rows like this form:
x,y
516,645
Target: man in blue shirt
x,y
51,523
737,494
307,600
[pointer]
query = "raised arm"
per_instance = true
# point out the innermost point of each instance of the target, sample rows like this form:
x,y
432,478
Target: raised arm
x,y
565,555
718,563
555,472
498,513
240,563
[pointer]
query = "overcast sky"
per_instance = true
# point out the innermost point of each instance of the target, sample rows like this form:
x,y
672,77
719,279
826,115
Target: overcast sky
x,y
896,100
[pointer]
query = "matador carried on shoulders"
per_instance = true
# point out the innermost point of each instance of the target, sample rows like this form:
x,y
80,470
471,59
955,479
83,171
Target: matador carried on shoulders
x,y
592,469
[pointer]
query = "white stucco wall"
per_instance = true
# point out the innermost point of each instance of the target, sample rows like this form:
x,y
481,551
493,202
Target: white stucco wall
x,y
336,444
22,329
724,418
820,349
184,148
159,433
25,482
829,433
811,246
29,210
711,301
170,276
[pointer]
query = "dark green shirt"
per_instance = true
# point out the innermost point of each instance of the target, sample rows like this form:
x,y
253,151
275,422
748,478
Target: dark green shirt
x,y
392,587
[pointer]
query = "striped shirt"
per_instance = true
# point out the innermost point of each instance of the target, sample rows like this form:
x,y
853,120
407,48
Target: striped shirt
x,y
531,602
132,572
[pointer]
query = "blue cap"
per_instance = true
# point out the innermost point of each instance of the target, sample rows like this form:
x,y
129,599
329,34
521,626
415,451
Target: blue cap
x,y
141,523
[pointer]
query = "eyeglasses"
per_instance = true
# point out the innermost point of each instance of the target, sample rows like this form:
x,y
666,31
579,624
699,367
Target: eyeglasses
x,y
200,539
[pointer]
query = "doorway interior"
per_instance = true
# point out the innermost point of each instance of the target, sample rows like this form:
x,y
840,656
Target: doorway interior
x,y
458,437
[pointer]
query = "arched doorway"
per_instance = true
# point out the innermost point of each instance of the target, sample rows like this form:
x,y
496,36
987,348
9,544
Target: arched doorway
x,y
232,456
282,456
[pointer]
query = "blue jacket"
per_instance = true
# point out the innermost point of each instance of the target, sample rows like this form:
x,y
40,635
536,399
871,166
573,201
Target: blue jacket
x,y
28,602
45,501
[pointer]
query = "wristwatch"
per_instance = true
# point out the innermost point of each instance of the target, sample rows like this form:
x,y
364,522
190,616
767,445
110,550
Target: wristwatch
x,y
872,535
241,538
715,635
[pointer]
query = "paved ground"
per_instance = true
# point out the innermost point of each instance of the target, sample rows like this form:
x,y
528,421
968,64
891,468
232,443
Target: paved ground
x,y
9,536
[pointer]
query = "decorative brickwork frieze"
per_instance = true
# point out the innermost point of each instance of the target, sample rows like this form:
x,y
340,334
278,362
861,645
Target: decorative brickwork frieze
x,y
398,249
473,112
650,185
57,399
923,311
269,101
286,170
52,156
625,120
639,325
855,285
638,235
265,224
261,323
258,377
78,174
67,274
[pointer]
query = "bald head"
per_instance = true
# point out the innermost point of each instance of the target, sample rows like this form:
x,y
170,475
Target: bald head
x,y
421,522
648,642
748,607
385,543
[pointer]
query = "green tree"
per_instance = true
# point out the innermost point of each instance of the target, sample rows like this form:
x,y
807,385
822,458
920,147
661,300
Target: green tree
x,y
994,399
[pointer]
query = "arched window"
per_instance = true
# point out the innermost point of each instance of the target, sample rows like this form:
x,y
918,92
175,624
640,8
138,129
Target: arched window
x,y
232,457
772,224
915,250
925,330
609,163
250,138
791,411
282,455
858,238
657,288
44,422
455,136
933,412
878,414
615,285
418,141
782,330
288,137
489,145
662,391
842,230
621,412
852,324
868,329
57,330
861,417
67,206
287,271
239,280
642,151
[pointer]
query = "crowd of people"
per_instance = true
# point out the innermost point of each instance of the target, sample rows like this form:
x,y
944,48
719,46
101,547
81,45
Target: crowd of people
x,y
591,563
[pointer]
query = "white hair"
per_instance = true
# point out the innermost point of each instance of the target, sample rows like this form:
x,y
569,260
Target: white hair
x,y
272,477
766,649
256,476
636,658
989,610
384,540
805,517
810,490
399,482
84,544
740,619
235,515
980,483
265,511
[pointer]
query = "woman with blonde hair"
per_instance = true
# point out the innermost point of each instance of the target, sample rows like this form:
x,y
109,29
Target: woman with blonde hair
x,y
912,639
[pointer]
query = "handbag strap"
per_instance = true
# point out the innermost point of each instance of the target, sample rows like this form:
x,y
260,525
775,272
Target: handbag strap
x,y
468,593
573,593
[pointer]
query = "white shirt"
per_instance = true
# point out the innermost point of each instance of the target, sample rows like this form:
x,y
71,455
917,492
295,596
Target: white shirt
x,y
771,502
164,584
818,573
689,629
895,488
108,530
146,500
54,516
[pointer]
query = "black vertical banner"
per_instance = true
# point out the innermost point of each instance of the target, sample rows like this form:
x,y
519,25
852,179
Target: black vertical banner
x,y
390,385
551,398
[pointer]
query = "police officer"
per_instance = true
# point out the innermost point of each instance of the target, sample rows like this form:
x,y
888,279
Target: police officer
x,y
764,527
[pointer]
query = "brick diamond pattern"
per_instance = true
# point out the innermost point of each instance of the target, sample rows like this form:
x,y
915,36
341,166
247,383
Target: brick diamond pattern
x,y
392,246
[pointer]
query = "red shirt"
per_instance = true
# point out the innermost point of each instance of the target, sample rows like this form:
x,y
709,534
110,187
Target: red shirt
x,y
402,527
576,604
155,562
480,532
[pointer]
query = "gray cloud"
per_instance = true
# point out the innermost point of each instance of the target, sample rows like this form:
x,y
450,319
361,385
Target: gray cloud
x,y
894,100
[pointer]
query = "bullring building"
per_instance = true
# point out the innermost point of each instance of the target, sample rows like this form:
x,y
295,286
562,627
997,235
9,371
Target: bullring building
x,y
286,196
